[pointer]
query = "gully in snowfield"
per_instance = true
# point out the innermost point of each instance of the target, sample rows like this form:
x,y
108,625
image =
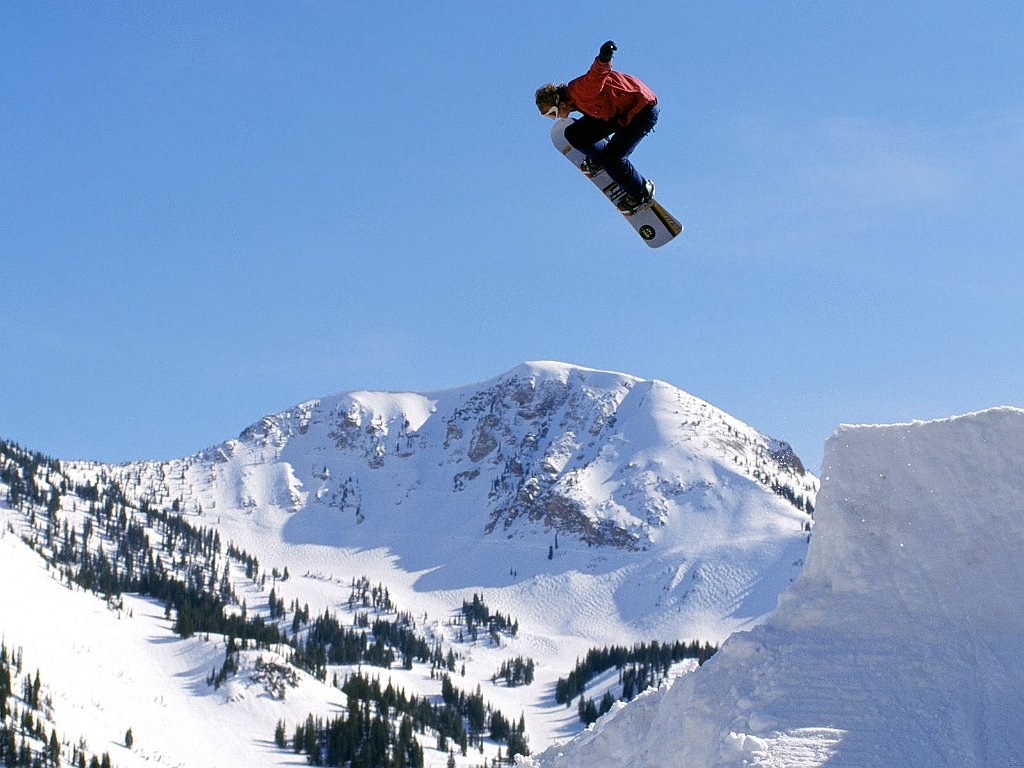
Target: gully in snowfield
x,y
613,104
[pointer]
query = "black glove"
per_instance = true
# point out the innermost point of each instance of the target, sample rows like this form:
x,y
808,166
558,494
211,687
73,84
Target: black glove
x,y
607,50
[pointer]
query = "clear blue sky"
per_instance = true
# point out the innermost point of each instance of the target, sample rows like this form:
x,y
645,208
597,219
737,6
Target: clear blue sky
x,y
213,211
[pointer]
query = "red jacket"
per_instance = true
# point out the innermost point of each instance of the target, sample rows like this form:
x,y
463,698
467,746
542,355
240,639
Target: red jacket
x,y
609,95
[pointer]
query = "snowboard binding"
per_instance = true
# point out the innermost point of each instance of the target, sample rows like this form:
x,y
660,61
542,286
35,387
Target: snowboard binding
x,y
630,206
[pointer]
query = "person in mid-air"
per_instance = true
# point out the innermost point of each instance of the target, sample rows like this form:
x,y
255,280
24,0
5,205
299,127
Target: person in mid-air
x,y
613,104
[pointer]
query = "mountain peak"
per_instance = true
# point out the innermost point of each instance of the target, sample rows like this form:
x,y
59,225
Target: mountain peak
x,y
550,369
607,458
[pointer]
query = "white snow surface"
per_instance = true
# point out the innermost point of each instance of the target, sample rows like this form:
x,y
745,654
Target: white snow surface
x,y
900,645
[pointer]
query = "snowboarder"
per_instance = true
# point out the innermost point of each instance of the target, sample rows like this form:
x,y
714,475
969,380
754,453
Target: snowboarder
x,y
613,104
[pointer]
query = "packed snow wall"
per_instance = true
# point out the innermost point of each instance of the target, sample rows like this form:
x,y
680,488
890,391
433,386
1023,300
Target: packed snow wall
x,y
900,644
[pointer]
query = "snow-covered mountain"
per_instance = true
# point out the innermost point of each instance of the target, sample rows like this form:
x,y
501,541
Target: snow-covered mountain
x,y
900,645
476,487
585,508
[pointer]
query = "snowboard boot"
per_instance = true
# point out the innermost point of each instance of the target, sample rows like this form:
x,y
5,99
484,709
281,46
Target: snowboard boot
x,y
629,205
591,167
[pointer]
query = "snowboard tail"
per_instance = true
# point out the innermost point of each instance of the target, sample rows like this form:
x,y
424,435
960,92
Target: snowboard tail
x,y
655,225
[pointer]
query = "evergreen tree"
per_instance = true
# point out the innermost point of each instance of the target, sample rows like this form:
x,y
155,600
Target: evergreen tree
x,y
53,749
311,744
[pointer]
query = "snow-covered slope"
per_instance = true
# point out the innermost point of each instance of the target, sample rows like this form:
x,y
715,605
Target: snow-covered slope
x,y
109,669
899,646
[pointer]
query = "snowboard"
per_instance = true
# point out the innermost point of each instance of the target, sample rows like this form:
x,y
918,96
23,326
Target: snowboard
x,y
654,224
